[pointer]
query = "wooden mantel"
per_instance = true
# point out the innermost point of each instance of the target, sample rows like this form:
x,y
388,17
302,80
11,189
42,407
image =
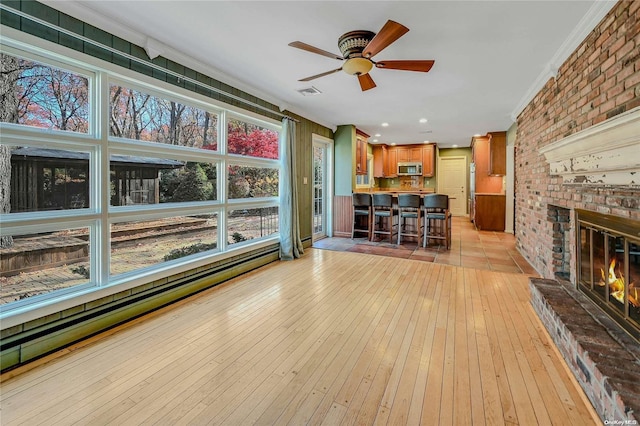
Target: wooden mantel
x,y
605,154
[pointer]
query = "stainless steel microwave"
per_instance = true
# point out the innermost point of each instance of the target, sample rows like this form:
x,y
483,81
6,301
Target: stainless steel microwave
x,y
410,169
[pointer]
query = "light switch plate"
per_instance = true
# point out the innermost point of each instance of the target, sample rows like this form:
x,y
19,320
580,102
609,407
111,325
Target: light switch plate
x,y
304,180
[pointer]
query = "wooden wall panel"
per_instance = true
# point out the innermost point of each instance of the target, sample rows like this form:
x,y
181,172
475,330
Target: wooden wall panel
x,y
342,215
304,154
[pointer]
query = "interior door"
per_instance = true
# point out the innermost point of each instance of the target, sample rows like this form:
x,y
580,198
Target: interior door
x,y
452,180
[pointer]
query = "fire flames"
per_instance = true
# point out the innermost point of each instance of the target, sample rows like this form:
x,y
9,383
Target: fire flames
x,y
616,286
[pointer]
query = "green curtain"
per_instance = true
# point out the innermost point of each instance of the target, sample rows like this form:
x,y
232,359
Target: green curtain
x,y
290,241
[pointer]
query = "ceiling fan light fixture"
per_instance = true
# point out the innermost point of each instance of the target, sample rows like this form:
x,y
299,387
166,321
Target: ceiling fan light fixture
x,y
357,66
354,41
358,46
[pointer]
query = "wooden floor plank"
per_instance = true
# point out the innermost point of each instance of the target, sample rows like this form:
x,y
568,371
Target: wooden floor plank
x,y
331,338
491,397
415,408
397,408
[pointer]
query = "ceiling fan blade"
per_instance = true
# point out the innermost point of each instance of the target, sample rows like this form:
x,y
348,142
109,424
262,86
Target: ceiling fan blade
x,y
313,77
312,49
390,32
366,82
422,66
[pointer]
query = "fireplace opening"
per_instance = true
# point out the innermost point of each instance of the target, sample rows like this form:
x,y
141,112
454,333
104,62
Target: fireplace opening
x,y
608,268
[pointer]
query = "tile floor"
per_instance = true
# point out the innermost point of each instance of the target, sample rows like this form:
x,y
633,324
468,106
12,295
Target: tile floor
x,y
471,248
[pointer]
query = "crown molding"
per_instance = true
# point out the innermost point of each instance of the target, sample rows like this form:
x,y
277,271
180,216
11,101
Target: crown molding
x,y
589,21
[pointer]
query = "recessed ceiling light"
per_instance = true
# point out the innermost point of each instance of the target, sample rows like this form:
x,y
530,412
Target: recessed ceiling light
x,y
393,144
426,141
423,120
377,135
375,140
454,146
477,135
385,124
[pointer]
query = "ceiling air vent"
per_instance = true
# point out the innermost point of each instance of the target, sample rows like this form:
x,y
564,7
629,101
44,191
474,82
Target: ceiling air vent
x,y
309,91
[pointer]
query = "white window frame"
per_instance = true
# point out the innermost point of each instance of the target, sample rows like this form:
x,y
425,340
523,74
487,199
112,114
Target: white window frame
x,y
100,145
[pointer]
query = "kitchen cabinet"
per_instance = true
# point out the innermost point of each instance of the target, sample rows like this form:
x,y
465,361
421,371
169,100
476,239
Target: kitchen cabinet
x,y
428,156
361,152
415,154
393,161
386,159
402,154
409,154
380,161
489,211
484,181
498,153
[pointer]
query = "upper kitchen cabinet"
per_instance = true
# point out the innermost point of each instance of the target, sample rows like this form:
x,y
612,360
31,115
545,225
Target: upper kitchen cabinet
x,y
380,161
428,156
393,162
485,181
408,153
497,153
361,152
385,161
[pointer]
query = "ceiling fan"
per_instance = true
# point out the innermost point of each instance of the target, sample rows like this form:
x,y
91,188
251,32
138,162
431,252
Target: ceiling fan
x,y
358,47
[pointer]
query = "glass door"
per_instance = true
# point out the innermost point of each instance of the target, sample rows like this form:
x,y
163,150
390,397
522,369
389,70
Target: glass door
x,y
322,195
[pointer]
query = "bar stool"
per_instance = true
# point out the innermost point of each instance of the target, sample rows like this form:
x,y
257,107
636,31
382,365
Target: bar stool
x,y
409,208
383,209
437,215
361,208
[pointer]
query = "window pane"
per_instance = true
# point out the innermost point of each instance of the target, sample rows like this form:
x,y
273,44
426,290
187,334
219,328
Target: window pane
x,y
252,140
249,224
42,263
140,116
48,179
142,180
140,244
43,96
252,182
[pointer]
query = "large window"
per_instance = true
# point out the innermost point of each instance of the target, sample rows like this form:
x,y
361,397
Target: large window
x,y
44,96
252,182
159,185
137,115
145,243
39,263
45,179
245,138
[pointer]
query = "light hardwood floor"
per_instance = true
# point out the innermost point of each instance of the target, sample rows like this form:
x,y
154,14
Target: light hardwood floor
x,y
331,338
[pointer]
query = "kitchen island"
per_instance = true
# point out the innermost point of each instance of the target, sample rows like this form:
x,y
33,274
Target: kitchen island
x,y
343,206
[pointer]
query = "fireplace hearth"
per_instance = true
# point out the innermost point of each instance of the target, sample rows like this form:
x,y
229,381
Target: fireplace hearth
x,y
591,310
608,265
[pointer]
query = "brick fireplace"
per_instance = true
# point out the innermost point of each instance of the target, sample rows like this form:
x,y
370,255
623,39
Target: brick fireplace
x,y
590,301
577,147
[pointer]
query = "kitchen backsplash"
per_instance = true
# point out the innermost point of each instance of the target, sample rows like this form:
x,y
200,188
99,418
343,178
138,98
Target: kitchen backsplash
x,y
406,182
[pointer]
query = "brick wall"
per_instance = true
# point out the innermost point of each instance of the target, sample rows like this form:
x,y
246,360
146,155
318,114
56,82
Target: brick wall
x,y
600,80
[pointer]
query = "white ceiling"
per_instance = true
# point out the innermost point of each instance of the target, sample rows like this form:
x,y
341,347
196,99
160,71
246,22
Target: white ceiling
x,y
490,56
